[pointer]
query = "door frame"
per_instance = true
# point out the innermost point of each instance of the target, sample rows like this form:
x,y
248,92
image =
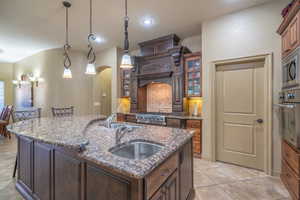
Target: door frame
x,y
268,113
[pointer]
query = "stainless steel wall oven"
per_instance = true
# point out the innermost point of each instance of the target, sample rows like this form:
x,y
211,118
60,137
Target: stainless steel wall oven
x,y
290,113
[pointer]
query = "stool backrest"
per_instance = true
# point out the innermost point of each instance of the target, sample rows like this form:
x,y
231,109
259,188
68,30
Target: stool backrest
x,y
26,114
63,112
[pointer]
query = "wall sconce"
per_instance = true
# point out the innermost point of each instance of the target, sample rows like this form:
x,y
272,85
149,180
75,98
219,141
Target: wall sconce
x,y
27,79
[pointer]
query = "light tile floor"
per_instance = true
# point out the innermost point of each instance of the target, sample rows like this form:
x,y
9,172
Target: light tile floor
x,y
213,180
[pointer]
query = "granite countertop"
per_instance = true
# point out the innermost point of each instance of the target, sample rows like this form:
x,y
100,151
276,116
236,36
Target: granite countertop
x,y
93,142
188,117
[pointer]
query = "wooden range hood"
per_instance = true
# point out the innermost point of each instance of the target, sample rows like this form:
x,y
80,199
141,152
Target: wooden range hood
x,y
162,62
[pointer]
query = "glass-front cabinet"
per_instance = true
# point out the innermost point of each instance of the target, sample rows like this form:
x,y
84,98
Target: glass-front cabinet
x,y
193,74
125,82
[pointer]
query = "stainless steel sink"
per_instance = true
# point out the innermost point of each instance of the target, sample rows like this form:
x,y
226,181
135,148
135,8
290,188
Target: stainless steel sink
x,y
129,127
137,150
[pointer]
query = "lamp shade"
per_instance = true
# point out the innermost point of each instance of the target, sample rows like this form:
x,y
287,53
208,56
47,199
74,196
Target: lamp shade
x,y
126,62
67,73
90,69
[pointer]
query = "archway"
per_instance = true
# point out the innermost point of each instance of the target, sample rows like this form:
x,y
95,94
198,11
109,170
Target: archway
x,y
102,97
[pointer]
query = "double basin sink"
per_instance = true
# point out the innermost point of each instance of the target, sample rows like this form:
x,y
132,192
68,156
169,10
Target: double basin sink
x,y
135,149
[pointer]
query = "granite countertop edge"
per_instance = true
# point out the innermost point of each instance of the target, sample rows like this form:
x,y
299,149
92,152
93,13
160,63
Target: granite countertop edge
x,y
188,117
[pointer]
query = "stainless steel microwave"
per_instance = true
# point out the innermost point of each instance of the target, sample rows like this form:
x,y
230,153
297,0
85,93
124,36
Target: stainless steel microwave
x,y
290,116
291,71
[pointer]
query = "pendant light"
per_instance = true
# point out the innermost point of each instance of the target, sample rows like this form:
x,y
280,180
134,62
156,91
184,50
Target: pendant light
x,y
91,57
67,61
126,59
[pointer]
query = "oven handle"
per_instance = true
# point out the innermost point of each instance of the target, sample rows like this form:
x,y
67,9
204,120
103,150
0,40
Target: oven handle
x,y
285,105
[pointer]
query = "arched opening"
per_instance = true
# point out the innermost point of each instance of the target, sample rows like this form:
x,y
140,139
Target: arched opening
x,y
102,91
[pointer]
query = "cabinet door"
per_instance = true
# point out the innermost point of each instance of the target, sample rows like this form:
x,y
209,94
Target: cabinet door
x,y
25,161
171,187
103,185
67,177
186,171
42,171
159,195
294,33
193,75
286,42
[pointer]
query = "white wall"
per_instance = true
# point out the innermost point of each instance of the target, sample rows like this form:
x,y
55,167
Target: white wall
x,y
56,91
246,33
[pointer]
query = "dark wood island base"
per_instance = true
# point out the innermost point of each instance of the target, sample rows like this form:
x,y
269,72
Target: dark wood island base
x,y
47,172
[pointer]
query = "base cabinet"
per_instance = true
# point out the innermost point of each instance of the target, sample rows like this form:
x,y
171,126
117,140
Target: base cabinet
x,y
102,185
47,172
290,169
169,190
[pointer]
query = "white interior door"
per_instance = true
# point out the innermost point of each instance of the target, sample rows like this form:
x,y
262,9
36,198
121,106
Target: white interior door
x,y
240,114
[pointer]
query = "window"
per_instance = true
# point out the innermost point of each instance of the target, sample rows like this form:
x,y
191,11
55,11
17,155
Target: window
x,y
2,100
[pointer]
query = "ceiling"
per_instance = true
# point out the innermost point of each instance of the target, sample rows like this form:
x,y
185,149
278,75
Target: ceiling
x,y
30,26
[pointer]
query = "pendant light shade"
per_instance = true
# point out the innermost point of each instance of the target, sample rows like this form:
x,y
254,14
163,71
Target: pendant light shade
x,y
67,61
126,59
90,69
67,73
91,57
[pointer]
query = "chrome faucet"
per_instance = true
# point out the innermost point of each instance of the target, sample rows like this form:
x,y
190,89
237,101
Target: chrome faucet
x,y
120,132
110,119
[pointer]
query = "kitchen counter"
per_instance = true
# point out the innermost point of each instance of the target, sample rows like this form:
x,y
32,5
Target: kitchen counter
x,y
93,142
70,158
171,116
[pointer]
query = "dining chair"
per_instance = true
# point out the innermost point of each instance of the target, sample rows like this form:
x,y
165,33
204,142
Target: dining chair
x,y
63,112
22,115
4,120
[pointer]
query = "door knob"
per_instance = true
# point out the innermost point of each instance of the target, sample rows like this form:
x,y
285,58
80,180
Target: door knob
x,y
260,121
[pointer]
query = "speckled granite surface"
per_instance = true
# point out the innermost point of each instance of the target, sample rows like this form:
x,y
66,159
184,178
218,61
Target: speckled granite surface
x,y
172,116
76,132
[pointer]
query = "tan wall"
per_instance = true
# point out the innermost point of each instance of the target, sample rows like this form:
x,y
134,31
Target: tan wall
x,y
246,33
56,91
110,58
6,75
102,91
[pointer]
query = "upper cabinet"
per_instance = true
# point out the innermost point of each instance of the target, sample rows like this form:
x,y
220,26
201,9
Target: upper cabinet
x,y
125,81
290,30
159,45
193,74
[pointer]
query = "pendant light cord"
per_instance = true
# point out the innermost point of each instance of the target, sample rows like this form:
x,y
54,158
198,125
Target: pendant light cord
x,y
126,20
91,37
67,61
91,17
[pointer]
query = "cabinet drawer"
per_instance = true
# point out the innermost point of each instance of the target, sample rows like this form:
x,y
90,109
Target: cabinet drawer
x,y
193,124
291,156
174,123
156,178
290,179
130,118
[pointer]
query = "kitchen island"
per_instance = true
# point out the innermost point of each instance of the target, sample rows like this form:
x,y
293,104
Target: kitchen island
x,y
75,158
